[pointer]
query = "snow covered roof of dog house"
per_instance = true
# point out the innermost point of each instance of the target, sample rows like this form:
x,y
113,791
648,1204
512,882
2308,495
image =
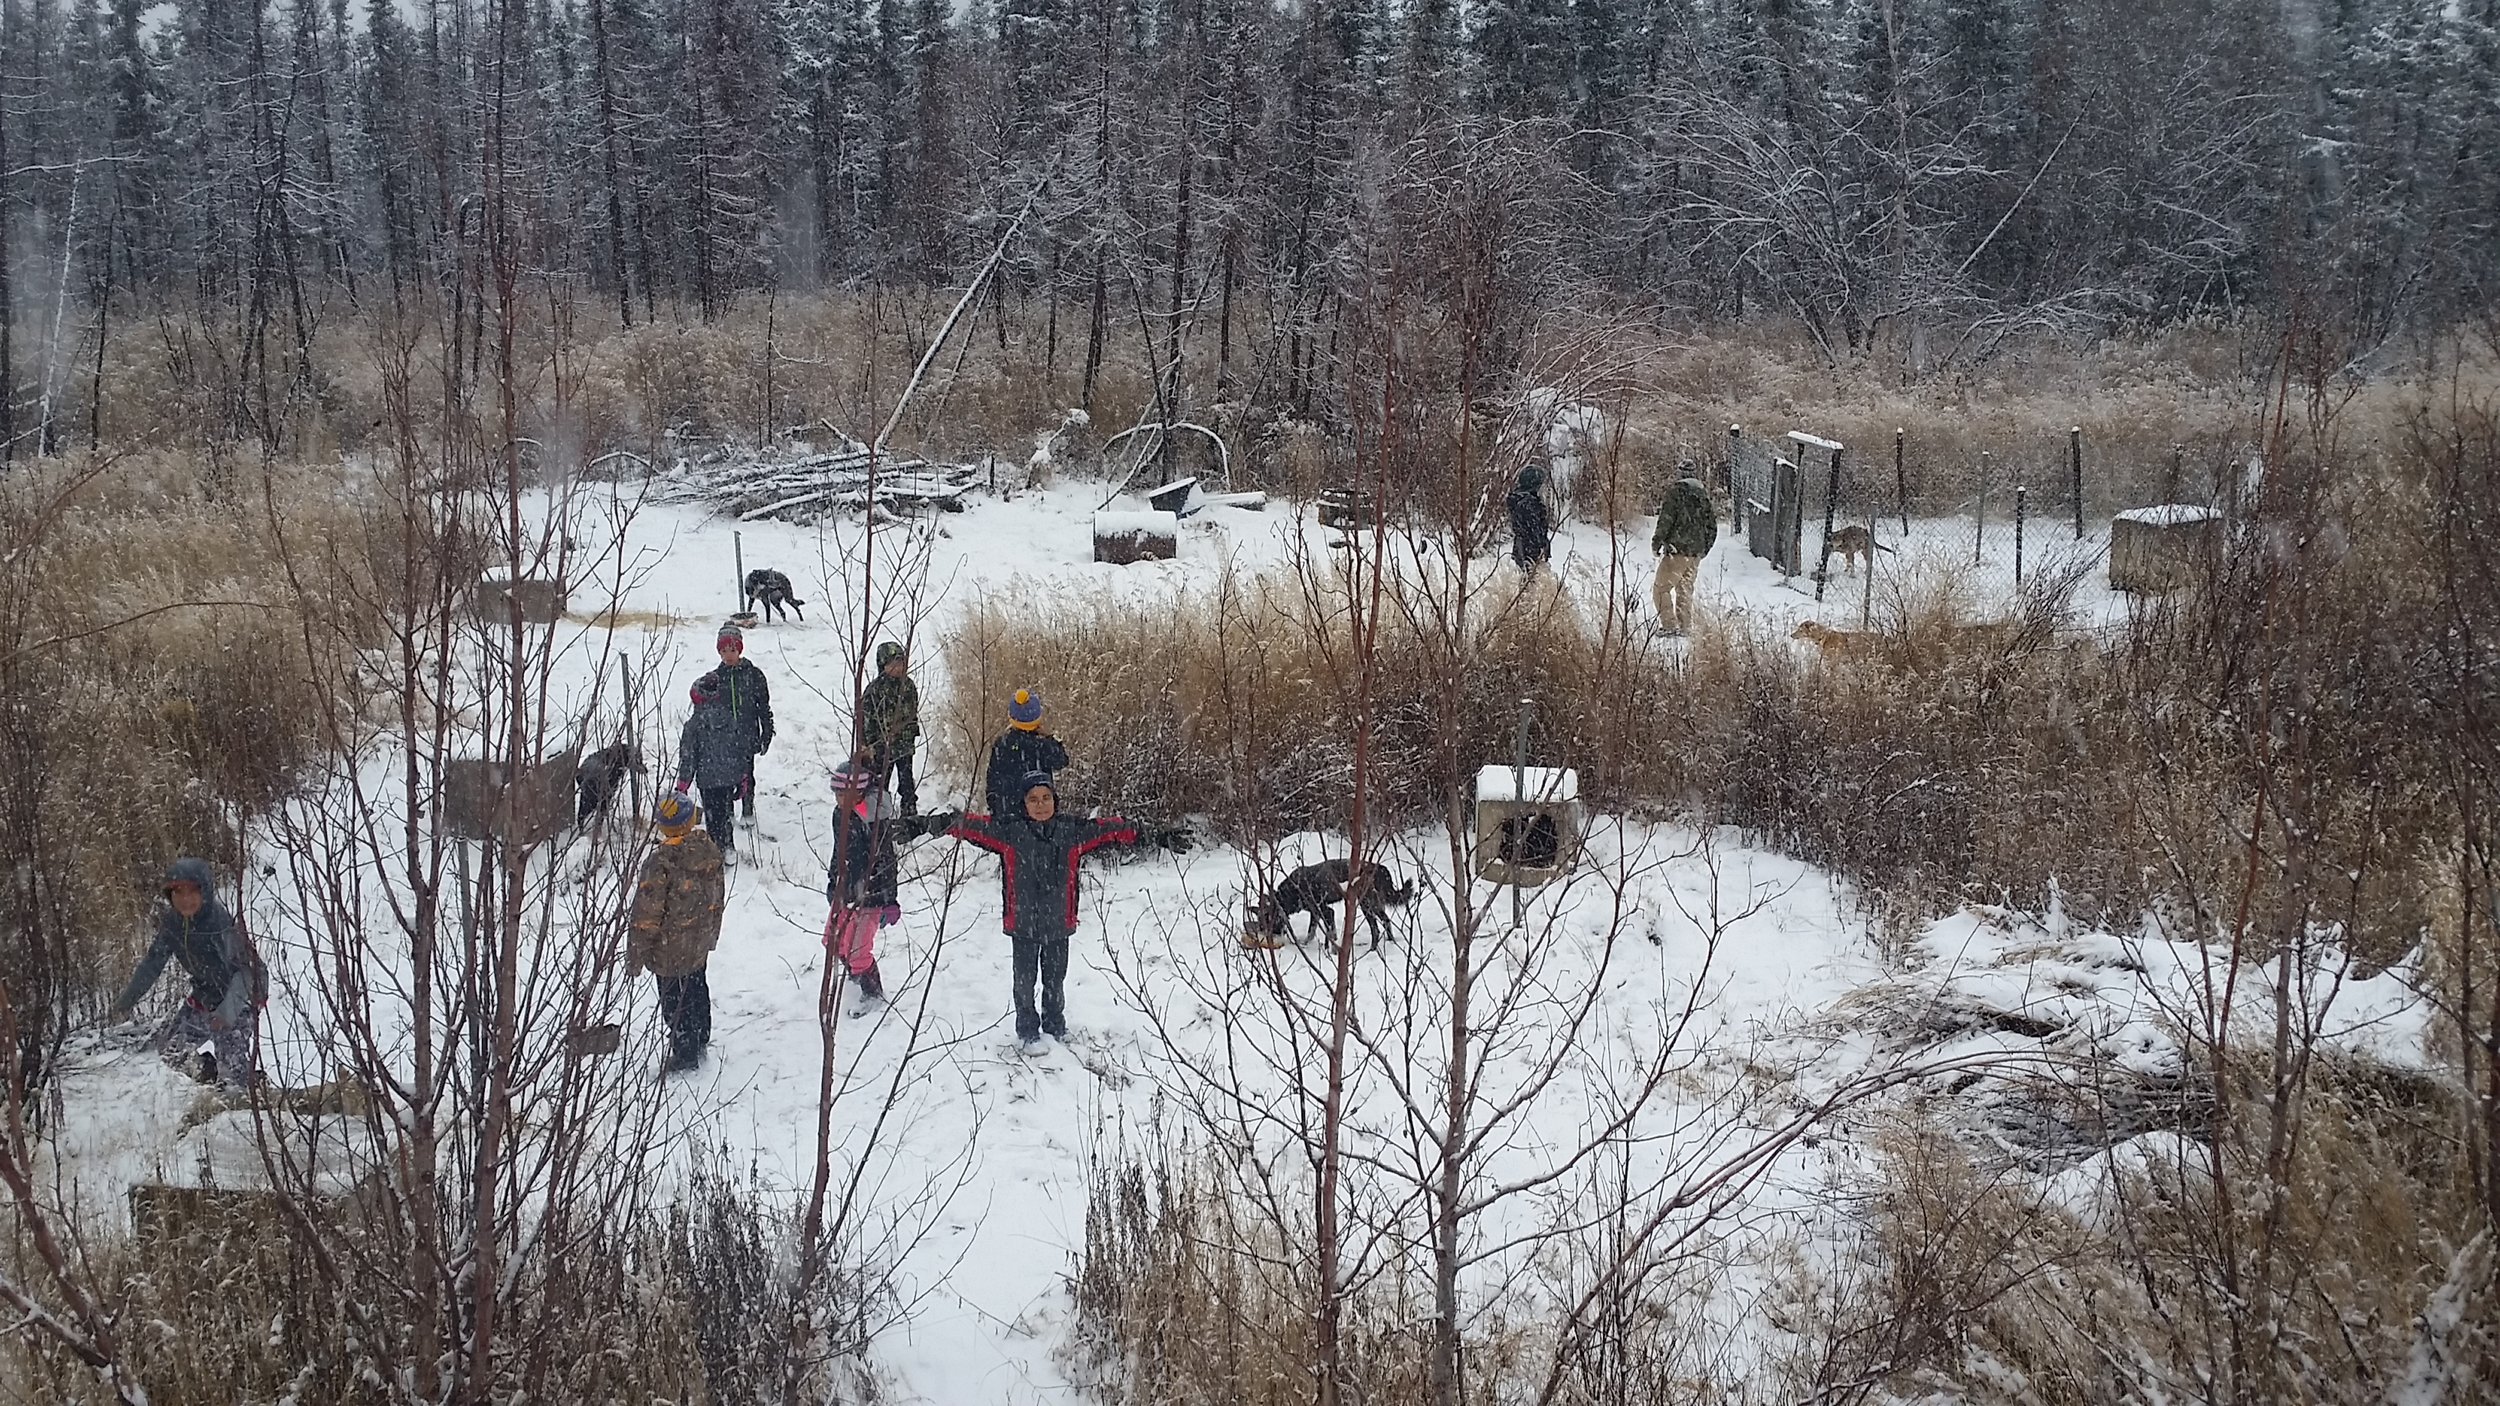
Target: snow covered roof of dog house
x,y
1153,524
2169,514
1540,783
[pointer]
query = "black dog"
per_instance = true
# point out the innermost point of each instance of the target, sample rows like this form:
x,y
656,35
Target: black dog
x,y
771,589
600,774
1317,889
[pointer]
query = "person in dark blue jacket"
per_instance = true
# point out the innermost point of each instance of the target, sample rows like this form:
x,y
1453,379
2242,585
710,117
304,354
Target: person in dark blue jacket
x,y
195,931
1023,749
715,754
1531,522
1039,850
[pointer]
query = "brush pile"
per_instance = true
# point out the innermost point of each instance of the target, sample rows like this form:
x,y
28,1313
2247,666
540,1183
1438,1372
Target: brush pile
x,y
809,485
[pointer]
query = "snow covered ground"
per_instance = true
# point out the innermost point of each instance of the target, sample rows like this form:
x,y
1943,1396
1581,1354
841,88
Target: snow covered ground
x,y
1794,986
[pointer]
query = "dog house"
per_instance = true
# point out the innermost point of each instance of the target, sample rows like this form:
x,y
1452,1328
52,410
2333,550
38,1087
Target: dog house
x,y
541,601
1528,824
480,803
1124,537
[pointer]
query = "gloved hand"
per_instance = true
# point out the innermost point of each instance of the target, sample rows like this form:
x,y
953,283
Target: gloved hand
x,y
935,822
1175,838
889,915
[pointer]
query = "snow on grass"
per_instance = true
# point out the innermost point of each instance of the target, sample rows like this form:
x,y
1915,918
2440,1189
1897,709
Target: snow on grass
x,y
1791,999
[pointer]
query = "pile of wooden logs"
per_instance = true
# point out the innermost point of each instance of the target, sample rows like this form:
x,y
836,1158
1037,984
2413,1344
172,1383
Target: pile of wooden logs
x,y
816,486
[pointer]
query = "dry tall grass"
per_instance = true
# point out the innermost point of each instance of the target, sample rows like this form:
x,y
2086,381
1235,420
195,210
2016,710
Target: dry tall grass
x,y
160,653
1232,701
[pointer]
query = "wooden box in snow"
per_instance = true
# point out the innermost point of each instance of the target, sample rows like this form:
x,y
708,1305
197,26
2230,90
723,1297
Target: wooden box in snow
x,y
1174,497
541,601
2163,547
479,805
1527,824
1121,538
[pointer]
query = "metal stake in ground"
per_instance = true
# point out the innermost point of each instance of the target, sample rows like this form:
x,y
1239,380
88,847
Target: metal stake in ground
x,y
1900,483
1735,495
2021,496
1979,538
1831,511
738,560
1518,792
2074,460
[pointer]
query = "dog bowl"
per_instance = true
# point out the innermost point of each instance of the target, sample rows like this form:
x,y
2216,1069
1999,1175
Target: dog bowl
x,y
746,619
1252,939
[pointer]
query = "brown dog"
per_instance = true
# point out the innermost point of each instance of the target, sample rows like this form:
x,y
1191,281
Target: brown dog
x,y
1838,644
1853,544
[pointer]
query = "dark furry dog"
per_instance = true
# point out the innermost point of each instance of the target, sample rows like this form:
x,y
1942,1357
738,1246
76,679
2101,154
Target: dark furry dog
x,y
600,774
1317,889
771,590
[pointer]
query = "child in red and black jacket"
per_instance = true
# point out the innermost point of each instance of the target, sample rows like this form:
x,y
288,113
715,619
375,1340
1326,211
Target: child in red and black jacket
x,y
1039,852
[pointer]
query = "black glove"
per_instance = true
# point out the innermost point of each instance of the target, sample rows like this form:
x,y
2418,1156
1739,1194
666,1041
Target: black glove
x,y
936,822
1175,838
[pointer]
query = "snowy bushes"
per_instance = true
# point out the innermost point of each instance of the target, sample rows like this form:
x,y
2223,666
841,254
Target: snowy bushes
x,y
1235,703
163,647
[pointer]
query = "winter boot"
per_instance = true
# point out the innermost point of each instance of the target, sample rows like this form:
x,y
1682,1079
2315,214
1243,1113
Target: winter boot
x,y
729,856
867,991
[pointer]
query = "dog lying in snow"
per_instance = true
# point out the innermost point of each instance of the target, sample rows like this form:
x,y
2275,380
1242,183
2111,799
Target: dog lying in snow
x,y
1317,889
771,590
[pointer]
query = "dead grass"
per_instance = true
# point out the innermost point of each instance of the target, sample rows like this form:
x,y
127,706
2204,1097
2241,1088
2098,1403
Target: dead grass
x,y
1233,701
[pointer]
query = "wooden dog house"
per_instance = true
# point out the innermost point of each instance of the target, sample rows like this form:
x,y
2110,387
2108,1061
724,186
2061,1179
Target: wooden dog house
x,y
541,601
479,804
1528,824
2163,547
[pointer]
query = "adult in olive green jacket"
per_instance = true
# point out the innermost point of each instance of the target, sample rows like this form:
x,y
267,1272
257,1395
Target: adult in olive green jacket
x,y
1688,525
675,923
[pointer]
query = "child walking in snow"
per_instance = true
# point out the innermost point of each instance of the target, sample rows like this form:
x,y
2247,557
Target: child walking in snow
x,y
750,701
1039,851
889,722
860,882
675,921
715,755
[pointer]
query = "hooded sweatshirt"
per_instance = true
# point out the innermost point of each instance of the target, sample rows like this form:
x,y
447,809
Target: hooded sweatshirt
x,y
716,749
1688,522
211,948
889,708
1531,525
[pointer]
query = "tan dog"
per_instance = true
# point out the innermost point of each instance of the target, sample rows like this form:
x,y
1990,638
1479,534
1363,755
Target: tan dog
x,y
1838,644
1853,544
